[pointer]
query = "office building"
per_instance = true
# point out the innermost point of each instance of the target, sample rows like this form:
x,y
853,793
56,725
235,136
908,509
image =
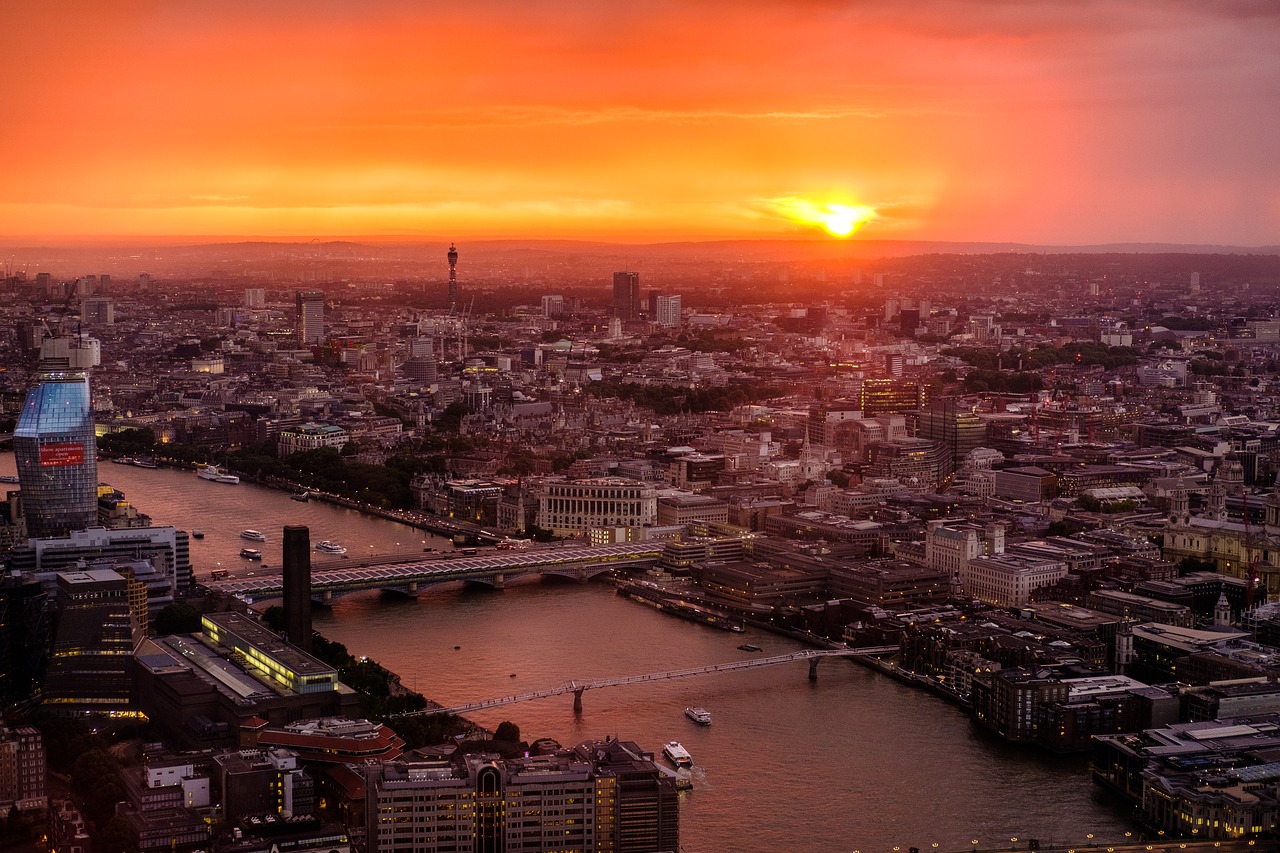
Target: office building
x,y
99,623
578,506
956,427
879,396
310,437
97,311
168,550
626,295
310,316
54,444
255,298
24,638
601,796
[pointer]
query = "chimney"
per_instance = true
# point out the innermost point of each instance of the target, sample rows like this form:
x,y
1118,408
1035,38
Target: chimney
x,y
297,585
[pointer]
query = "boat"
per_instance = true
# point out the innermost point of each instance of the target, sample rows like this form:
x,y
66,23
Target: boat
x,y
251,553
329,547
197,533
148,462
701,716
9,478
216,475
677,754
253,535
750,647
123,460
301,496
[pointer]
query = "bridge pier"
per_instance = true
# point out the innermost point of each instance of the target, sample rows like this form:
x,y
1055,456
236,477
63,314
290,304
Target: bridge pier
x,y
413,587
499,581
813,668
327,597
577,700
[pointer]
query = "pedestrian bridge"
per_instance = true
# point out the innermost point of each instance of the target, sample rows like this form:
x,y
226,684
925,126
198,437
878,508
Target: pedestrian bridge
x,y
577,688
415,576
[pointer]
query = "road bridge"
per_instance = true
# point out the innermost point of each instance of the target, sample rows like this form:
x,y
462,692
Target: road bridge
x,y
577,688
414,576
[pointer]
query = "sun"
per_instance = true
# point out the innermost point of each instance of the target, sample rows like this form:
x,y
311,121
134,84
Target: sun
x,y
836,218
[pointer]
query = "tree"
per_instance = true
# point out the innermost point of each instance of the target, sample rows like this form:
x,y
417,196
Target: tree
x,y
507,731
116,836
178,618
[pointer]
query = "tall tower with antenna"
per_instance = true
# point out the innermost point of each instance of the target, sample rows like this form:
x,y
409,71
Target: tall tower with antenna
x,y
453,276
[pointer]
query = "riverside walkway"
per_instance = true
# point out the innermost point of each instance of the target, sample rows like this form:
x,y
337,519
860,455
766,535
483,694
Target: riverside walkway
x,y
577,688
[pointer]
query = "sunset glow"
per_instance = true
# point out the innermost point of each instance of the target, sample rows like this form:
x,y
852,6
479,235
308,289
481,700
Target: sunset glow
x,y
944,119
839,220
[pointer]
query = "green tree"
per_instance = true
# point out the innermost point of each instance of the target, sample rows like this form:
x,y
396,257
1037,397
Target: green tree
x,y
507,731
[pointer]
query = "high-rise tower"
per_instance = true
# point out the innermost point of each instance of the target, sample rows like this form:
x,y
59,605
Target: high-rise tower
x,y
453,276
310,316
54,443
626,295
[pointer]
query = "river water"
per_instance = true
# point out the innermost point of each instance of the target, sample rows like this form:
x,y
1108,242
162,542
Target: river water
x,y
852,761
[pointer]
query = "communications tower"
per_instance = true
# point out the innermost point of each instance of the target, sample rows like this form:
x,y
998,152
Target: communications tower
x,y
453,276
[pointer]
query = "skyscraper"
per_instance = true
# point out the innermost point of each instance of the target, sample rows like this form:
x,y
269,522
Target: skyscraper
x,y
54,444
310,316
626,295
453,275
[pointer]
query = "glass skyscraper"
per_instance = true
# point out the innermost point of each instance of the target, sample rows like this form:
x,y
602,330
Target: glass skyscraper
x,y
54,444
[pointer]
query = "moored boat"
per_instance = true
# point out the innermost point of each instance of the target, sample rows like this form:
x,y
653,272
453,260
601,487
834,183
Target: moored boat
x,y
301,496
215,474
701,716
749,647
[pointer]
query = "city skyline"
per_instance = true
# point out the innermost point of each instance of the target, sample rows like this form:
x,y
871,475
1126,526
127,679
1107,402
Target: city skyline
x,y
1034,122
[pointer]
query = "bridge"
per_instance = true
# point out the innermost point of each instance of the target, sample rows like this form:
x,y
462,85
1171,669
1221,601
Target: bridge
x,y
414,576
577,688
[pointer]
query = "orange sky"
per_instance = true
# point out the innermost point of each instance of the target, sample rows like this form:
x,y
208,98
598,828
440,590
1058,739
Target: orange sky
x,y
1060,122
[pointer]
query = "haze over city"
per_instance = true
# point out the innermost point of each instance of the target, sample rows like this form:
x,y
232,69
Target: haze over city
x,y
1040,122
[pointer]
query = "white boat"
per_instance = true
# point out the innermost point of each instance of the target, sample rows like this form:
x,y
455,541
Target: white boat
x,y
216,475
677,754
329,547
253,535
701,716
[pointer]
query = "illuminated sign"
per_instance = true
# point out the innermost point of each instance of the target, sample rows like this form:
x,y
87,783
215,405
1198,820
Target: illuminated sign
x,y
62,454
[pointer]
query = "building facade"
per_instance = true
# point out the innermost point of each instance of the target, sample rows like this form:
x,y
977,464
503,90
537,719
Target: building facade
x,y
577,506
626,295
54,444
310,304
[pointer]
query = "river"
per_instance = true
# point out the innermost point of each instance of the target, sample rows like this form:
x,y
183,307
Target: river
x,y
852,761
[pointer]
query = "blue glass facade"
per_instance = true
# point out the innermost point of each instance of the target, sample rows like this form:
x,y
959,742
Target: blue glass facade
x,y
57,455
